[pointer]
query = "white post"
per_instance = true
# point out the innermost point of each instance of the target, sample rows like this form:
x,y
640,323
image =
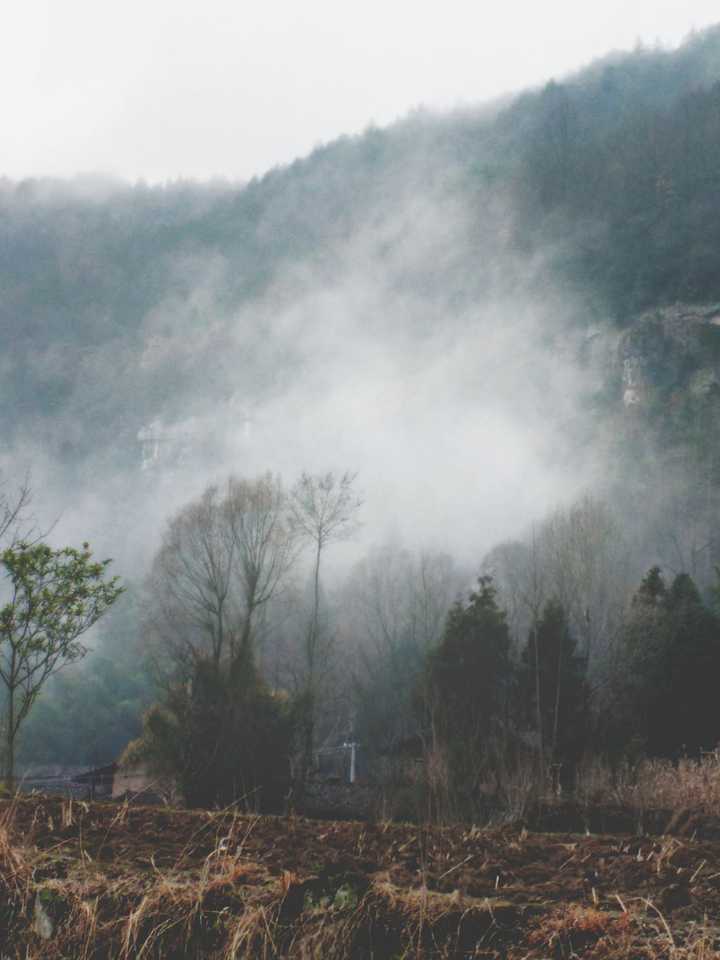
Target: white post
x,y
353,745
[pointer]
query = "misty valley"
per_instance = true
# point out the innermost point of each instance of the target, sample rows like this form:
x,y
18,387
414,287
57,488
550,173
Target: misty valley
x,y
360,541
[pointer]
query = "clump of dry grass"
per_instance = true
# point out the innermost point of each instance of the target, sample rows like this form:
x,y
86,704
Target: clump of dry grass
x,y
689,784
577,930
15,875
640,933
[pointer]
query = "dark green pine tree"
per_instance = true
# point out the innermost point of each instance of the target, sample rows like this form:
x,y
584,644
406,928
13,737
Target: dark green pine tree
x,y
671,666
469,680
652,592
554,690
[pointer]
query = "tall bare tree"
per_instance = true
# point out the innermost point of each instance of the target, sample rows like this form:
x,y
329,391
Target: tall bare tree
x,y
265,546
577,557
323,510
192,606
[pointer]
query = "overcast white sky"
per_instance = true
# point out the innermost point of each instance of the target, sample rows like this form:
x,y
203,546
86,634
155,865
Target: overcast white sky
x,y
159,89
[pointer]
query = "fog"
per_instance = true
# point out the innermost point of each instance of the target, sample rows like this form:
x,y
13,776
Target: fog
x,y
380,315
462,417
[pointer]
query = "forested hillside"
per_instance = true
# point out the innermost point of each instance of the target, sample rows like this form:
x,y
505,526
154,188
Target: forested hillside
x,y
609,179
486,313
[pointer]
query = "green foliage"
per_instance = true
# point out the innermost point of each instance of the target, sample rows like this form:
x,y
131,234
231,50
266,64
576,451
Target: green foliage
x,y
54,597
322,897
88,713
468,686
668,669
553,688
222,736
86,716
628,174
470,669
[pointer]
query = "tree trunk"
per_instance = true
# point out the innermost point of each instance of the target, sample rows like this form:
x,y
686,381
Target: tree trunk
x,y
538,702
308,724
316,605
9,772
556,717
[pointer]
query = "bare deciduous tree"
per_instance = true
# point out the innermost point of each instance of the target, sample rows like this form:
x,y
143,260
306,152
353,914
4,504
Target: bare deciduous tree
x,y
222,559
191,604
578,558
265,545
323,509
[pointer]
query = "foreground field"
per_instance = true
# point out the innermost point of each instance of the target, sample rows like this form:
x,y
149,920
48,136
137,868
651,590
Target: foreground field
x,y
103,880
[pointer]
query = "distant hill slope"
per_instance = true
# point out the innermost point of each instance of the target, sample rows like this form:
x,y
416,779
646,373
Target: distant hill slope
x,y
120,305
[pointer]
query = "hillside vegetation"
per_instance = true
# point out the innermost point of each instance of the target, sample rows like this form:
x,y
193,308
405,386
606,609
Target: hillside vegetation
x,y
605,182
549,264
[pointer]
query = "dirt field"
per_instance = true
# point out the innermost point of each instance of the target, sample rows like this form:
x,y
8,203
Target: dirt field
x,y
104,880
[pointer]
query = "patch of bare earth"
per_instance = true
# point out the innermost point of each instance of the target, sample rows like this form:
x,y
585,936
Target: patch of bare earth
x,y
101,880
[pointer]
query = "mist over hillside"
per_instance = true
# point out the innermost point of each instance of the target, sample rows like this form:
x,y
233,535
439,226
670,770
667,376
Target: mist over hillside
x,y
429,281
441,306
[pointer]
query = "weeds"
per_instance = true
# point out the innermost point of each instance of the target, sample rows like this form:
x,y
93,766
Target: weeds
x,y
688,784
226,886
577,931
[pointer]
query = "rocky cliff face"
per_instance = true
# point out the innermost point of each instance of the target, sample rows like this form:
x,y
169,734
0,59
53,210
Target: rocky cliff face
x,y
668,350
662,423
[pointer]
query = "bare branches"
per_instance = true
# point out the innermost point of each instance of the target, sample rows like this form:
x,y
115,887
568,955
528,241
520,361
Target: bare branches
x,y
265,544
13,507
193,574
324,507
223,558
576,555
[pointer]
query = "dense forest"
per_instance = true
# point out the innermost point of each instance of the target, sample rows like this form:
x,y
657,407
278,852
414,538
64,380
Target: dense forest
x,y
516,301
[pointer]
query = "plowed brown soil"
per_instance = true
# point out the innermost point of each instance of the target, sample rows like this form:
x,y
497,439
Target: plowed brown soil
x,y
127,881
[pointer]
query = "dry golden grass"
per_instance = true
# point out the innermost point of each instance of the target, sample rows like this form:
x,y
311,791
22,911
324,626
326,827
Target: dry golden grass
x,y
686,785
236,909
258,888
640,932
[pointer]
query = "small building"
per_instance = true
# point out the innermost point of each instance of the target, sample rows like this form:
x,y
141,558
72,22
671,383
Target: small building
x,y
99,782
137,784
